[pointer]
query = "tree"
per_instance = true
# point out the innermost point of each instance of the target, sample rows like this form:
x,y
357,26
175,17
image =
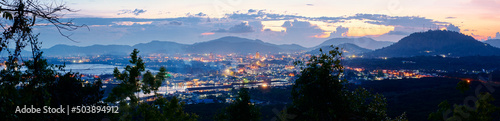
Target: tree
x,y
321,94
40,84
152,83
21,16
463,85
240,110
163,109
129,81
158,110
482,110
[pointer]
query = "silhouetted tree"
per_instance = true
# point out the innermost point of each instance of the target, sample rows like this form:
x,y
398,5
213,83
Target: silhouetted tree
x,y
320,94
163,109
463,85
482,110
152,83
129,81
40,84
240,110
158,110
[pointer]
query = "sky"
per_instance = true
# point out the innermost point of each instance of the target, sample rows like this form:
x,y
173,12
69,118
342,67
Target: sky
x,y
303,22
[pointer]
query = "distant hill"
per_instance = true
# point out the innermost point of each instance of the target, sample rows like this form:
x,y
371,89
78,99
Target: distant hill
x,y
493,42
161,47
291,47
68,50
363,42
222,45
232,44
348,49
436,42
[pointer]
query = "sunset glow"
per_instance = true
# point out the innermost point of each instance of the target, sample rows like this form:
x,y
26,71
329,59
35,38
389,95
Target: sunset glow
x,y
184,21
207,33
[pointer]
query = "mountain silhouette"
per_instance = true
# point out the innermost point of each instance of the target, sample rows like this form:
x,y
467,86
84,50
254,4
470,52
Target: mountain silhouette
x,y
222,45
493,42
348,49
230,44
161,47
363,42
68,50
436,42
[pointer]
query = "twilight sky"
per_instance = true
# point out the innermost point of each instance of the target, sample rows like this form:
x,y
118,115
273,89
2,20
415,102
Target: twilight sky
x,y
302,22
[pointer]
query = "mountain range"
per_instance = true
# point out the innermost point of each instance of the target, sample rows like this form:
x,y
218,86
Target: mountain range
x,y
429,43
436,42
68,50
230,44
363,42
493,42
348,49
222,45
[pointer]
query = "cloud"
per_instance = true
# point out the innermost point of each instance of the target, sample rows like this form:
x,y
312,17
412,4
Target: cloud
x,y
310,4
452,27
207,33
136,12
408,21
243,27
398,33
450,17
257,25
472,30
340,32
201,14
303,32
175,23
130,23
251,10
479,37
262,14
497,36
269,26
415,22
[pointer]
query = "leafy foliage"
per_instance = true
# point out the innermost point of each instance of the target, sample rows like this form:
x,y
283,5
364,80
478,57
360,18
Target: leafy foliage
x,y
320,94
40,84
158,110
163,109
240,110
463,85
129,81
152,83
481,110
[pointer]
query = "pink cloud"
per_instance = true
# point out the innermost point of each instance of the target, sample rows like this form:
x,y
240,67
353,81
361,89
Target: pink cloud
x,y
207,33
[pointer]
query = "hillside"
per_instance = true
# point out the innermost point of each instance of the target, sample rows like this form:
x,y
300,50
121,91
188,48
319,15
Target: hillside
x,y
161,47
68,50
349,49
222,45
231,44
363,42
493,42
436,42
